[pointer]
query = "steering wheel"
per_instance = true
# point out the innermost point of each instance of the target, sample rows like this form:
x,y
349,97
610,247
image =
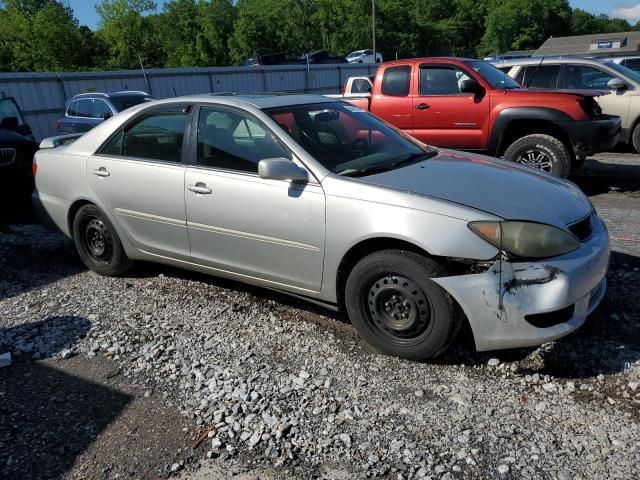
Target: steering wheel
x,y
359,147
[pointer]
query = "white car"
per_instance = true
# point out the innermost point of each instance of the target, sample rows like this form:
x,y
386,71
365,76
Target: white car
x,y
364,56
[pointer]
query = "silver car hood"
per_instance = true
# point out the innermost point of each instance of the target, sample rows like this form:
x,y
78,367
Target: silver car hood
x,y
498,187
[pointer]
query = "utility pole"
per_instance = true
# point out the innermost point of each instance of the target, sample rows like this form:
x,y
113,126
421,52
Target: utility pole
x,y
373,28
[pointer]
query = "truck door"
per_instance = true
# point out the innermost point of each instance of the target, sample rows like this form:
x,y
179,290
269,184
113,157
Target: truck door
x,y
393,101
444,116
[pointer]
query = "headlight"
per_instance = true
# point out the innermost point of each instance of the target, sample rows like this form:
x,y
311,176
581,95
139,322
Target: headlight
x,y
526,239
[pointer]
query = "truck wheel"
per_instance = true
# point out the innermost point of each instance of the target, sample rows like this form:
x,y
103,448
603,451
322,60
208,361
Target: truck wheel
x,y
542,152
397,308
98,243
635,138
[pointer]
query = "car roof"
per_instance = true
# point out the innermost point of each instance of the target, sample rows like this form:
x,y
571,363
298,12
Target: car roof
x,y
546,60
120,94
261,101
432,59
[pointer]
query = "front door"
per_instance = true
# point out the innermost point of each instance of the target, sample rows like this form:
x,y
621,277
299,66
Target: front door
x,y
586,77
238,222
139,177
445,117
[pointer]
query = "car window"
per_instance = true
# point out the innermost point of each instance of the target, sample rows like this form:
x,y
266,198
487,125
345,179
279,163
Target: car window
x,y
234,141
346,139
395,81
584,76
542,76
157,136
84,108
632,63
100,108
127,101
72,109
8,108
441,80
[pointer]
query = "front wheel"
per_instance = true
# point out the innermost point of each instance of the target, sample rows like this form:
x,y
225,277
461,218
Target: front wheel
x,y
397,308
98,243
635,138
542,152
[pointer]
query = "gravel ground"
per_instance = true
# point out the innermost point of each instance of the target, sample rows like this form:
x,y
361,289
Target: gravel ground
x,y
290,388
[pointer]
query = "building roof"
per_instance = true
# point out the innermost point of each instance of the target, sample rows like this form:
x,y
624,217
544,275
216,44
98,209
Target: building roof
x,y
598,45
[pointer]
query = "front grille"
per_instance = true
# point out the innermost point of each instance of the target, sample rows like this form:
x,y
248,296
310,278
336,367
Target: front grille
x,y
551,319
582,228
7,156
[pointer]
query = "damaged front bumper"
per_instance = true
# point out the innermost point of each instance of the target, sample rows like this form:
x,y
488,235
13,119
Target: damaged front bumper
x,y
521,304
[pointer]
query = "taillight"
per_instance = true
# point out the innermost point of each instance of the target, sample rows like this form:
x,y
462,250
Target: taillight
x,y
34,167
58,124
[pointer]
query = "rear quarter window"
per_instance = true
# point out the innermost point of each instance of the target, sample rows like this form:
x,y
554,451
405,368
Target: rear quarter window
x,y
396,80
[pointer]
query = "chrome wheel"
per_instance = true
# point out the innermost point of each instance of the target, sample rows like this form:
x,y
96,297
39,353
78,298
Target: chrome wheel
x,y
397,308
536,159
97,241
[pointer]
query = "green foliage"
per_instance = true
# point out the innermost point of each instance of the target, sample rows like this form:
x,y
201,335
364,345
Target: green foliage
x,y
43,35
524,24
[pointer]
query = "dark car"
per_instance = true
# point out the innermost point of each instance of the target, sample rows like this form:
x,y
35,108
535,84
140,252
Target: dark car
x,y
323,56
266,59
86,110
17,146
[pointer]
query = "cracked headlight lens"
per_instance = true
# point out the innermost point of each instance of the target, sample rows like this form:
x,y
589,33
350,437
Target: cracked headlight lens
x,y
526,239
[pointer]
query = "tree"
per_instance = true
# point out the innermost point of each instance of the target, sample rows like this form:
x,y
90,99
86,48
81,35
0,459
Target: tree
x,y
523,24
114,9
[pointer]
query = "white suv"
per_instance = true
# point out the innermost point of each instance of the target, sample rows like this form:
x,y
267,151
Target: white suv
x,y
364,56
590,74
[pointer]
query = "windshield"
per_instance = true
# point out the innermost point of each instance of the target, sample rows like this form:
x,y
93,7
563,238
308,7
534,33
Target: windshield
x,y
8,108
627,72
348,140
128,101
354,54
492,75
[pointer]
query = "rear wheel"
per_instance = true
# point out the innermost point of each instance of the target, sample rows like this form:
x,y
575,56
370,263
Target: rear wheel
x,y
542,152
98,243
635,138
397,308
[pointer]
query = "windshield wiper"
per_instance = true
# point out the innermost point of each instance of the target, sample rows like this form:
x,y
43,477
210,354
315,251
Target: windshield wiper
x,y
366,171
412,158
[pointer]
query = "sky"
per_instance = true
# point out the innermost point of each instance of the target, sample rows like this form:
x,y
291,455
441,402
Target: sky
x,y
629,10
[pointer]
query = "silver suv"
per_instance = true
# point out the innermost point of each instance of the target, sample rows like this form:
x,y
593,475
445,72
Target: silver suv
x,y
590,74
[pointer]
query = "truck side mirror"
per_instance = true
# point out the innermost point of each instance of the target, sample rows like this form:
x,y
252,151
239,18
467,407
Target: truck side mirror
x,y
471,86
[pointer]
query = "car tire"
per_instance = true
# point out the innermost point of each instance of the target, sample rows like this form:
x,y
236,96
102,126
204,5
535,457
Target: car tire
x,y
397,308
543,152
98,243
635,138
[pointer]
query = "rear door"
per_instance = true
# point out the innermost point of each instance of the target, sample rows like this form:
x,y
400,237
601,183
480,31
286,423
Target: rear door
x,y
444,116
393,102
138,174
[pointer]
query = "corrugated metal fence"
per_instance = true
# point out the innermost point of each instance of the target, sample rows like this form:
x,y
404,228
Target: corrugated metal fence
x,y
41,96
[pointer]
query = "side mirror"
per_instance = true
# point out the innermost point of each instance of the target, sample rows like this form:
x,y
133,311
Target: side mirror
x,y
282,169
471,86
616,84
10,123
106,116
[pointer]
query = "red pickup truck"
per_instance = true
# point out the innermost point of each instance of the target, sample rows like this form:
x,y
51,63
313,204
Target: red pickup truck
x,y
471,105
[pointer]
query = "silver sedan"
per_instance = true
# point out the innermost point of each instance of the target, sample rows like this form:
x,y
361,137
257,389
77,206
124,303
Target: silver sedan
x,y
318,198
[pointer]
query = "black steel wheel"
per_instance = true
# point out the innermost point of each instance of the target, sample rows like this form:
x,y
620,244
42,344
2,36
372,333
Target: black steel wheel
x,y
397,308
97,240
98,243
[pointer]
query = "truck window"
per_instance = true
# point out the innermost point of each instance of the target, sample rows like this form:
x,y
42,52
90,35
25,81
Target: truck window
x,y
441,80
395,81
544,76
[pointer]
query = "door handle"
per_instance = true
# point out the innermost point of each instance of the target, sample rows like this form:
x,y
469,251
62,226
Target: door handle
x,y
422,106
101,172
200,188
